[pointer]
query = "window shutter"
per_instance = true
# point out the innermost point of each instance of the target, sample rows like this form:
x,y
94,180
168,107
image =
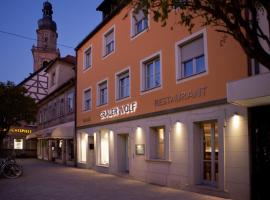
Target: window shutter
x,y
192,49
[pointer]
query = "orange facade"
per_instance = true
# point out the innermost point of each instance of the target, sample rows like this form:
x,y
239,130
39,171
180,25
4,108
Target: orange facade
x,y
223,63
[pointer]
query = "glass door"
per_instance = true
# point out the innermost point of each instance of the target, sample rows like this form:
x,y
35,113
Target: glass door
x,y
210,153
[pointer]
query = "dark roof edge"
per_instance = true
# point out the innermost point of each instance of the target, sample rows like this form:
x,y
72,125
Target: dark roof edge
x,y
99,26
62,59
33,74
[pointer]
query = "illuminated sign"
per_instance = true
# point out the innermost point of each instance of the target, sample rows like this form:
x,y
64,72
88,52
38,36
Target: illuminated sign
x,y
119,111
20,130
18,143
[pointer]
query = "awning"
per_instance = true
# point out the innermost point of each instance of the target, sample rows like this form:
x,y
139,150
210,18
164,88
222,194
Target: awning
x,y
63,132
31,136
250,91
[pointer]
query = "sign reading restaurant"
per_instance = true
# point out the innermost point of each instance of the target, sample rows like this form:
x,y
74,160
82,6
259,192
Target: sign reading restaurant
x,y
119,111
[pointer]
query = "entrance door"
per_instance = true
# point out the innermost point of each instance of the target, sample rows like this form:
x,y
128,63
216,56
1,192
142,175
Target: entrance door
x,y
260,152
123,155
210,152
91,152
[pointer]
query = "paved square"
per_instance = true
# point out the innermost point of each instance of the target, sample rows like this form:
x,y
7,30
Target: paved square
x,y
48,181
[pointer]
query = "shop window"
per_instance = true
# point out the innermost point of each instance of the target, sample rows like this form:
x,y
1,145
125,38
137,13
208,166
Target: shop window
x,y
104,148
87,58
139,23
102,93
157,143
123,85
82,147
191,57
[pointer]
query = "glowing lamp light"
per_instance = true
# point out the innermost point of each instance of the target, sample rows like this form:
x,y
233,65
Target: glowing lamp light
x,y
236,120
178,127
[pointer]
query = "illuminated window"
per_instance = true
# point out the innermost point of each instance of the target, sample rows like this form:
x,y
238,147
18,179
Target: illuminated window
x,y
104,148
123,85
82,147
18,143
87,58
102,93
109,43
139,22
157,143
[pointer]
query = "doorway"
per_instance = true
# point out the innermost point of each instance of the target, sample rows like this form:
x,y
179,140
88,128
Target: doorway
x,y
123,152
91,152
260,151
209,153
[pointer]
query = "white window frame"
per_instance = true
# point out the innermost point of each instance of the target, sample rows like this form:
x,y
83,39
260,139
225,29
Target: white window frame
x,y
154,147
133,33
70,108
178,61
143,64
99,150
104,53
90,48
91,100
98,92
117,79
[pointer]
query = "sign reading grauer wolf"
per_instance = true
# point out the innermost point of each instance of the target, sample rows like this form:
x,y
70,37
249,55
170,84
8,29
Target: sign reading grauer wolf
x,y
119,111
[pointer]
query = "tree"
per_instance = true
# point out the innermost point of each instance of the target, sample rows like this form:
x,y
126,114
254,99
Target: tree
x,y
15,107
238,18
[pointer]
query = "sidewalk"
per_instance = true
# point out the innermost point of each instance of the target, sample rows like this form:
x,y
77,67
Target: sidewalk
x,y
48,181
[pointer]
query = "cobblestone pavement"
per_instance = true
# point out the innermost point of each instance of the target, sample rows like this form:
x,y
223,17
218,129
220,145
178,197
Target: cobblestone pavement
x,y
48,181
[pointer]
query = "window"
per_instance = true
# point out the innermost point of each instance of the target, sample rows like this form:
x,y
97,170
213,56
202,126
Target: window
x,y
82,147
123,85
53,77
109,42
104,148
102,93
87,100
139,22
157,143
192,59
70,102
62,107
151,74
87,58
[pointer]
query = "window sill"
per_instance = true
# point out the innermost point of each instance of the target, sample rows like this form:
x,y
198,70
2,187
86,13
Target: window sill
x,y
101,105
107,54
191,76
85,69
139,33
122,98
100,165
159,161
150,89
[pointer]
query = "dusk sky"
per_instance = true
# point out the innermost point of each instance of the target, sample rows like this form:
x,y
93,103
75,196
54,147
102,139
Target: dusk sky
x,y
74,19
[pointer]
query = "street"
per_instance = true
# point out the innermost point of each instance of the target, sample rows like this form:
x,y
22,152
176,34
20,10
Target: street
x,y
48,181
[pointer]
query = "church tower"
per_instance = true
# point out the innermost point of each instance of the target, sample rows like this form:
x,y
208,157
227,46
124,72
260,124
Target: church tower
x,y
46,48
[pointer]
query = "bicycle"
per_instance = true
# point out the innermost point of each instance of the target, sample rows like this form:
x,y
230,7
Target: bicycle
x,y
10,169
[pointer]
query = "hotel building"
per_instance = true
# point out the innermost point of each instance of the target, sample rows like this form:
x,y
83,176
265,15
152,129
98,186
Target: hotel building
x,y
152,102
